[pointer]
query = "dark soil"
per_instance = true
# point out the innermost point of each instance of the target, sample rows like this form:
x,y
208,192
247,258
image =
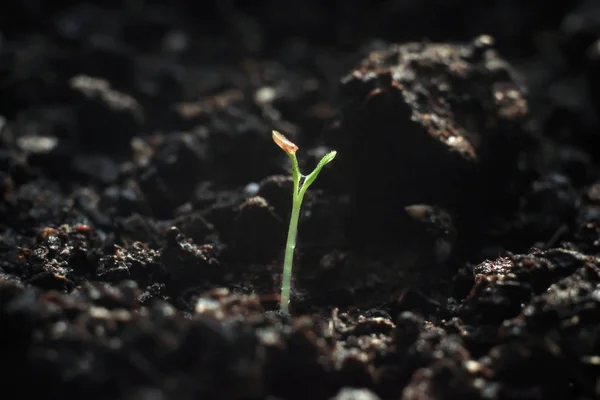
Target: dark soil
x,y
450,251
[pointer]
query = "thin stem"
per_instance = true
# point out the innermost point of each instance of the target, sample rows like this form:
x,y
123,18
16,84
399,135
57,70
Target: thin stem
x,y
289,256
300,187
291,238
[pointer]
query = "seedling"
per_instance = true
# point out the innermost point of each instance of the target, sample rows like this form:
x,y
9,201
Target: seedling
x,y
301,184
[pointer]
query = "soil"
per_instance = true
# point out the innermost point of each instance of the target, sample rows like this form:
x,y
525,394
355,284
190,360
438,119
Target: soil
x,y
450,251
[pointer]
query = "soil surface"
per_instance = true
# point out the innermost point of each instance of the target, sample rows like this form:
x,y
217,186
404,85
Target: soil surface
x,y
450,251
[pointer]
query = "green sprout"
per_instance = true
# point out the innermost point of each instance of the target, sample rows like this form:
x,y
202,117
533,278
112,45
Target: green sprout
x,y
301,184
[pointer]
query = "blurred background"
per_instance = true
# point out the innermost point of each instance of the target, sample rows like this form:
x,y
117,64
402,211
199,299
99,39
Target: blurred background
x,y
82,81
152,48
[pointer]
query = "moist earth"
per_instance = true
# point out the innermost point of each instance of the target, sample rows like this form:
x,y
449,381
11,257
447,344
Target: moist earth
x,y
451,250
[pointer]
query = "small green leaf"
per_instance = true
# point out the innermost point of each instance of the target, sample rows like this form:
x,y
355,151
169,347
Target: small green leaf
x,y
327,158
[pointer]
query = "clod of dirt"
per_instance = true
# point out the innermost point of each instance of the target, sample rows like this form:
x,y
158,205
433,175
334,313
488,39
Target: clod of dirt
x,y
139,228
107,341
426,352
102,109
189,265
236,134
194,225
547,210
587,233
221,304
426,383
258,232
355,394
437,124
361,339
174,169
218,206
504,285
302,355
135,262
566,317
527,369
60,257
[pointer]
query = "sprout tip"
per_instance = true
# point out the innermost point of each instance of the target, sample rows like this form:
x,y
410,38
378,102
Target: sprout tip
x,y
286,145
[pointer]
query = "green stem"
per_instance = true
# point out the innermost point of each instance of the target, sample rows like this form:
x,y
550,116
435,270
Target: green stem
x,y
289,256
291,238
299,191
